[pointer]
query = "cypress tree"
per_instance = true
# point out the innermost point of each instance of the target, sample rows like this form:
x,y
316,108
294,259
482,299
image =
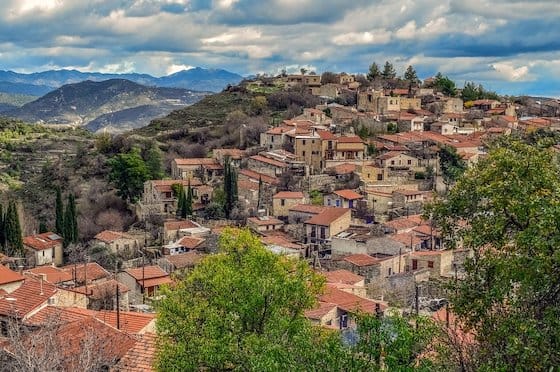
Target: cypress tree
x,y
188,204
59,225
2,229
14,240
43,227
73,219
259,200
180,201
230,187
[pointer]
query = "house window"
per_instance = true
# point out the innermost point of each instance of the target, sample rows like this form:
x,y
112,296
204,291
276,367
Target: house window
x,y
389,271
338,202
322,233
380,177
409,162
392,162
328,201
303,153
43,252
117,246
303,142
414,264
312,141
431,264
282,202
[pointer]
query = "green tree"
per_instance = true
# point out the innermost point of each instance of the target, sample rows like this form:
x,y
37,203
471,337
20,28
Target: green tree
x,y
374,72
2,228
181,200
445,85
128,174
411,76
451,164
59,213
230,187
188,204
240,309
154,162
43,227
388,71
70,231
506,210
470,92
14,239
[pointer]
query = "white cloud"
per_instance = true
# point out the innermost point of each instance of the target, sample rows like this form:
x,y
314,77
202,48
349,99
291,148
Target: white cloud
x,y
357,38
176,68
509,72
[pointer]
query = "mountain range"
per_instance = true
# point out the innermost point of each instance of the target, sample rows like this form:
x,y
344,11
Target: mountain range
x,y
115,105
40,83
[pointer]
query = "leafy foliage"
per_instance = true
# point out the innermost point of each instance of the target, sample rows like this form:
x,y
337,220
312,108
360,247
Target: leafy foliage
x,y
506,209
374,72
128,174
472,92
445,85
411,76
452,166
388,71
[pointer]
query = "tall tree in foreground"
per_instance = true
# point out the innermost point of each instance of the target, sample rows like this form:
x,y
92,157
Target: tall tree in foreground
x,y
230,187
59,213
507,210
14,239
188,204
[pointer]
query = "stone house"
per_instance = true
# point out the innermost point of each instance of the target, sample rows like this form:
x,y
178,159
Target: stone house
x,y
343,198
439,263
284,200
300,213
159,198
176,229
323,226
264,223
43,249
350,148
10,280
235,156
202,168
143,282
117,241
268,166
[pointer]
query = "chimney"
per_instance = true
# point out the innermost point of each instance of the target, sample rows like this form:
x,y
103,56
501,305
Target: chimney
x,y
20,269
43,278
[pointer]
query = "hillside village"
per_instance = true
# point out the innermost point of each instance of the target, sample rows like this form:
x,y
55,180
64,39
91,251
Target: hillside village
x,y
342,185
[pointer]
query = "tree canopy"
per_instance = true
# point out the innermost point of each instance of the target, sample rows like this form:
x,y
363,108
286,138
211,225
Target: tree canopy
x,y
388,71
374,72
128,174
411,76
445,85
506,209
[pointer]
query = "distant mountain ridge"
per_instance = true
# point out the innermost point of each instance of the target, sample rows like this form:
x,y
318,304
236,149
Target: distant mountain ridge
x,y
116,105
40,83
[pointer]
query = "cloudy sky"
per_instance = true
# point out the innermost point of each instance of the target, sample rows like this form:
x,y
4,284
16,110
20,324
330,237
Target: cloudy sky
x,y
511,46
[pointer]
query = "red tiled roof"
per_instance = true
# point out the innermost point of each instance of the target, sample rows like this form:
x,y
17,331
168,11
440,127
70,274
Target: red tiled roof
x,y
263,222
190,242
179,225
28,296
148,283
328,216
403,223
42,241
109,236
326,135
92,270
350,139
280,241
348,194
360,259
319,311
183,260
406,239
8,276
348,301
141,357
256,175
308,208
342,276
279,130
389,155
273,162
148,272
54,275
99,291
427,230
288,195
247,185
195,161
345,168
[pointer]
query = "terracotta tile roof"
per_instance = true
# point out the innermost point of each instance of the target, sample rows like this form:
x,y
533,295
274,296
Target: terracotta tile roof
x,y
130,322
280,241
109,236
308,208
272,162
427,230
279,130
328,216
265,221
256,175
342,276
232,153
348,301
27,297
179,225
480,102
99,291
345,168
348,194
148,272
406,239
350,139
148,283
141,357
320,310
361,260
326,135
195,161
42,241
183,260
54,275
8,276
247,185
403,223
409,192
190,242
92,270
389,155
288,195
